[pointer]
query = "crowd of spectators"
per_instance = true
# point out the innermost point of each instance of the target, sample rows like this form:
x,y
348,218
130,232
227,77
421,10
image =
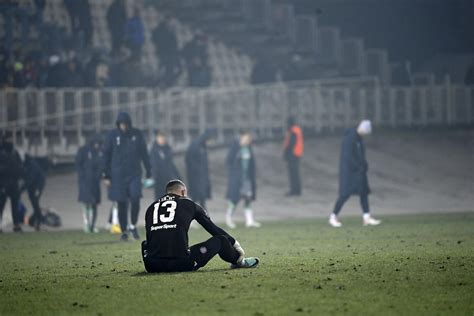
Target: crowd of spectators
x,y
65,57
193,56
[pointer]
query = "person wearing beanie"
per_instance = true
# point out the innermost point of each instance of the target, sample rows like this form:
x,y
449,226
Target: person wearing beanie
x,y
353,169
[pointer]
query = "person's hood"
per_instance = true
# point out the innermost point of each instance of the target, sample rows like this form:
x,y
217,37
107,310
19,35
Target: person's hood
x,y
94,139
124,117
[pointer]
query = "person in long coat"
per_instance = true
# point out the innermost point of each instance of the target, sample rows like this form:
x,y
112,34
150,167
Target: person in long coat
x,y
89,164
11,170
197,169
241,183
124,153
353,168
162,165
34,183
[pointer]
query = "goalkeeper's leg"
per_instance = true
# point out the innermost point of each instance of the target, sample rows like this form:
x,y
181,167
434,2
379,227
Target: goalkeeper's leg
x,y
203,252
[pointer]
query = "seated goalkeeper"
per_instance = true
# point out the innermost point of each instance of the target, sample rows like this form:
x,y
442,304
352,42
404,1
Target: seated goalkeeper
x,y
166,247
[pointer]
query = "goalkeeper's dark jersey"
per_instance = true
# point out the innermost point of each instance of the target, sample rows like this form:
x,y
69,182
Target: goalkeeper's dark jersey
x,y
167,223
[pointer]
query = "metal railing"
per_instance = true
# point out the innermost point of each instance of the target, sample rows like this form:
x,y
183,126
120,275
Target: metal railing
x,y
54,122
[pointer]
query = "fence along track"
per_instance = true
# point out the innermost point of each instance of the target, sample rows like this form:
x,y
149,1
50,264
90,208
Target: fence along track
x,y
55,122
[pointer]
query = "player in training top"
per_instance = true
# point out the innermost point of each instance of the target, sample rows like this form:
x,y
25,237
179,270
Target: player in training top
x,y
166,246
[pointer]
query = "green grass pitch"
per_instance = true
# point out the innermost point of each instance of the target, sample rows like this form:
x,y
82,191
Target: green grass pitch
x,y
410,265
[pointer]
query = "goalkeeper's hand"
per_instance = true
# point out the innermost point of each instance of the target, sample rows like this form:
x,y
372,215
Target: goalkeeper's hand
x,y
148,183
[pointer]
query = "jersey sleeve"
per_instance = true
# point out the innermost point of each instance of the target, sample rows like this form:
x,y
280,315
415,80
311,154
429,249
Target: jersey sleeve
x,y
202,218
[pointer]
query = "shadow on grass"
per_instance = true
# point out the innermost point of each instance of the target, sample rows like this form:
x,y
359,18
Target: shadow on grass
x,y
147,274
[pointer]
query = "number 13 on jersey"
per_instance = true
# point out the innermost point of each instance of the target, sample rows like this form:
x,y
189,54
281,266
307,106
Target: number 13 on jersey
x,y
169,208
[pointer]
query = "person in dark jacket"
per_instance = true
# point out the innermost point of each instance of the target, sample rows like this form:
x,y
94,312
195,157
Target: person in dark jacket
x,y
166,48
196,48
11,170
241,182
124,152
353,169
162,165
134,34
34,183
73,75
89,164
197,167
116,19
81,19
293,151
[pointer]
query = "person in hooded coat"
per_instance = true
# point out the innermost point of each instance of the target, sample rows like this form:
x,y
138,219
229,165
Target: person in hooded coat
x,y
353,169
162,165
124,153
34,183
89,164
241,179
197,167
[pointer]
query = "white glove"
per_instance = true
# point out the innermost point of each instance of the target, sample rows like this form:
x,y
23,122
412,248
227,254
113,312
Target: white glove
x,y
148,183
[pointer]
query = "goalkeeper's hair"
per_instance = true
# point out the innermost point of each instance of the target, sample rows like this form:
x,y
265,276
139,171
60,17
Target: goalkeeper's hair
x,y
174,186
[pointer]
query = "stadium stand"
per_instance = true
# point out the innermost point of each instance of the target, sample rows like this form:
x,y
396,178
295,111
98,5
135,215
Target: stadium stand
x,y
236,30
229,66
291,36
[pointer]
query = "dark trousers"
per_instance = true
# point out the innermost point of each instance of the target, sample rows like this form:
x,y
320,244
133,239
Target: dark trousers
x,y
123,212
93,207
11,191
111,214
34,195
200,255
364,203
294,175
